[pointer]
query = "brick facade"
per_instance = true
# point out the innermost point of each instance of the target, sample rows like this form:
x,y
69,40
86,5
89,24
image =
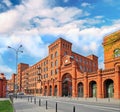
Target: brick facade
x,y
11,83
66,73
3,85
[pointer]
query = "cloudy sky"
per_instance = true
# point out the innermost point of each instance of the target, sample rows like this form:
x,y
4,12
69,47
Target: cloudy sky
x,y
37,23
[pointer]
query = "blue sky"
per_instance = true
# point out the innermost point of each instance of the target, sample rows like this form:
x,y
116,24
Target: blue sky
x,y
37,23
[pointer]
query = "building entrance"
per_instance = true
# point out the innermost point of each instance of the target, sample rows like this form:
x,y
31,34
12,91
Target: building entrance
x,y
67,85
80,89
93,89
109,88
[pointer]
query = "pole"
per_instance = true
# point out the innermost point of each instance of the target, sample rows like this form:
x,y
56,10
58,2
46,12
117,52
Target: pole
x,y
16,51
16,77
31,98
74,109
46,105
39,102
56,106
28,98
35,100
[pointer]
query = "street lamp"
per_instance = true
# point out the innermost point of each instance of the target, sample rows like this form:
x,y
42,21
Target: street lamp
x,y
16,52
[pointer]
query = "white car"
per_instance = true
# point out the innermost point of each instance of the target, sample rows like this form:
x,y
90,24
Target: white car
x,y
21,93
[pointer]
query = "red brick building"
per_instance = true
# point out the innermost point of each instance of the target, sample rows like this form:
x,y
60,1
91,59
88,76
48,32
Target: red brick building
x,y
3,85
66,73
11,84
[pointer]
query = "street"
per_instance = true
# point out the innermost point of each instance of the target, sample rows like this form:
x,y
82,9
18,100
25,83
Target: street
x,y
67,104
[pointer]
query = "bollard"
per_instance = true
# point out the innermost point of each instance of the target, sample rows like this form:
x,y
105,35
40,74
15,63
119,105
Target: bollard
x,y
108,99
96,98
39,102
21,97
46,105
31,99
34,100
56,106
16,96
28,98
74,109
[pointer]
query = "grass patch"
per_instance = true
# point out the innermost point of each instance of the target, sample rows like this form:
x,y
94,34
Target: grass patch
x,y
6,106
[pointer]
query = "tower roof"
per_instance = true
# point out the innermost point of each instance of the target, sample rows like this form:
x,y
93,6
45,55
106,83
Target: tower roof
x,y
115,36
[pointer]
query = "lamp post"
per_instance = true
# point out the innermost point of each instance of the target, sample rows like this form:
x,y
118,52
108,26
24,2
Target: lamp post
x,y
16,52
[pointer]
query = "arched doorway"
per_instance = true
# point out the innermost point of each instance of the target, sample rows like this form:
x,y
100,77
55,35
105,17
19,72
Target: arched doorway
x,y
80,89
67,85
45,91
50,93
93,89
55,90
109,88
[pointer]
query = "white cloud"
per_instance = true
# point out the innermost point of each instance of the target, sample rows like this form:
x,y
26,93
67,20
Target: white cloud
x,y
32,44
7,2
8,21
85,4
16,27
5,69
101,65
18,19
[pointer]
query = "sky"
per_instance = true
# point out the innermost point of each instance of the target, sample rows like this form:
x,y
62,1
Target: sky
x,y
35,24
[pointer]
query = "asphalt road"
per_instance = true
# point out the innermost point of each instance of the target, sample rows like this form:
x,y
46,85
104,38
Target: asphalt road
x,y
67,105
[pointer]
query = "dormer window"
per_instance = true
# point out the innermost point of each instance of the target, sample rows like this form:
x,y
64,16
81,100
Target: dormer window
x,y
117,53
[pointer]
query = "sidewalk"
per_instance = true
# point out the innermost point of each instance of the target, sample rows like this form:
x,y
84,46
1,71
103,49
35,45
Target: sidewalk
x,y
22,105
1,99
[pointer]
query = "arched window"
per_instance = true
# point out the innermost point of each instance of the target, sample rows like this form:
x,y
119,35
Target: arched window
x,y
52,56
56,54
116,52
56,63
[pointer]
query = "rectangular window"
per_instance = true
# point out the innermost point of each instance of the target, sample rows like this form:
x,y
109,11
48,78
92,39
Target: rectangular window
x,y
52,72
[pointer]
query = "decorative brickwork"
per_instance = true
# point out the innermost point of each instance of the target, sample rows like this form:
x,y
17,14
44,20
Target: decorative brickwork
x,y
66,73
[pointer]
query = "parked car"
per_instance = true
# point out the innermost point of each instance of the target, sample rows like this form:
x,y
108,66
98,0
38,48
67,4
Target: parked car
x,y
10,93
20,93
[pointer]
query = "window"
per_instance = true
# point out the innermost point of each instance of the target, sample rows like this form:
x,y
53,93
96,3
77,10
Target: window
x,y
44,69
65,53
56,71
56,54
76,59
44,63
56,63
80,67
52,64
72,57
52,56
52,72
116,52
80,59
